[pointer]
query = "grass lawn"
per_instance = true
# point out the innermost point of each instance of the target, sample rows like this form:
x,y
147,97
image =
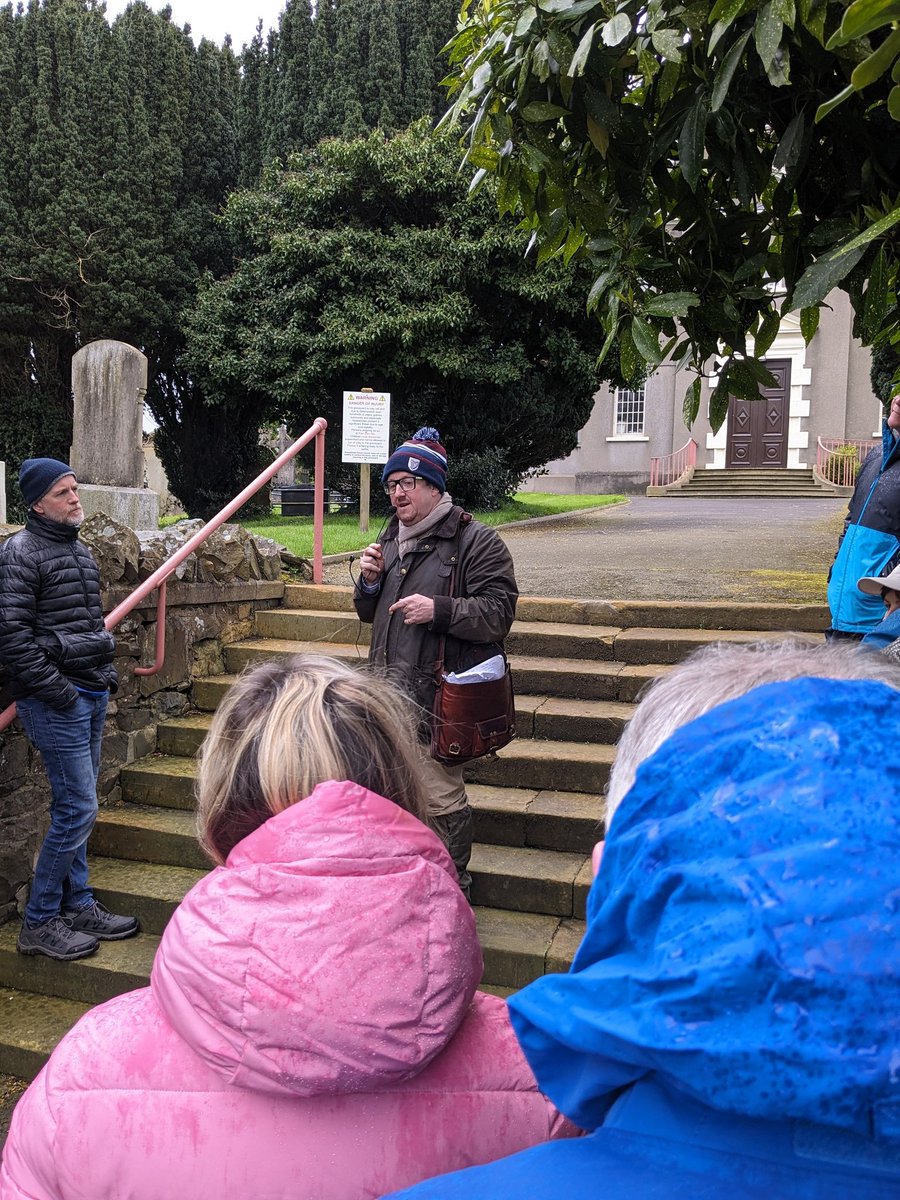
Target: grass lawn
x,y
342,531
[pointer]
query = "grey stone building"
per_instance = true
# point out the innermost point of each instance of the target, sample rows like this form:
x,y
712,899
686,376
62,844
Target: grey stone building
x,y
824,392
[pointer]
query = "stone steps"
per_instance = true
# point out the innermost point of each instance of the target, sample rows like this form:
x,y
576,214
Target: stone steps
x,y
31,1026
563,678
519,947
45,998
545,717
115,968
531,639
519,878
151,891
569,765
623,614
750,482
749,493
645,648
578,668
160,787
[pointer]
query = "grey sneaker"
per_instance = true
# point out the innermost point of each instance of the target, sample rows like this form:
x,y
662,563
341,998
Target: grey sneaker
x,y
95,919
56,939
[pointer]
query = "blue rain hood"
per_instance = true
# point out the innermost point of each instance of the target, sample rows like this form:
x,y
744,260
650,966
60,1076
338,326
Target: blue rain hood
x,y
743,940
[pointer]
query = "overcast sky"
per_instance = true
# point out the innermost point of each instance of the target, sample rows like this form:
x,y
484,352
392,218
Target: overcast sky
x,y
215,18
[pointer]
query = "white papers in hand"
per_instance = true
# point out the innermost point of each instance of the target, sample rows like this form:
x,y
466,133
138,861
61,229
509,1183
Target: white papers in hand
x,y
491,668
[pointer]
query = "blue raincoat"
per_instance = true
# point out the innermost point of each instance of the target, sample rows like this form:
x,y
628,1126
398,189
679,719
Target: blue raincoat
x,y
870,543
730,1027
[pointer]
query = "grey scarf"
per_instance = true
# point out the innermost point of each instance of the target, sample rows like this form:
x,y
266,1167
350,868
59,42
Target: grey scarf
x,y
411,533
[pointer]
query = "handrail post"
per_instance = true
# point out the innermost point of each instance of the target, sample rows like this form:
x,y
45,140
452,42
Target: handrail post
x,y
160,658
319,507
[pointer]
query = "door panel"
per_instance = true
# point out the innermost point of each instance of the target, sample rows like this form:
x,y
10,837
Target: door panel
x,y
757,429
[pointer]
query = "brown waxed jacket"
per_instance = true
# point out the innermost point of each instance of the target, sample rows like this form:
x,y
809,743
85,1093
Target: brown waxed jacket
x,y
475,619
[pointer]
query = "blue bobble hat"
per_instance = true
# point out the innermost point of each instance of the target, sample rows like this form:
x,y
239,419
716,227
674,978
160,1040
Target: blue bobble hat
x,y
421,455
38,475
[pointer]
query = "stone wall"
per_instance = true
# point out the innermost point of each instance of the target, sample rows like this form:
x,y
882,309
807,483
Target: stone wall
x,y
211,601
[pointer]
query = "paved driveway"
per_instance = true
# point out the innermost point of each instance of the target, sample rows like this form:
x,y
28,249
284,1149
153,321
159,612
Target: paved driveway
x,y
682,549
658,549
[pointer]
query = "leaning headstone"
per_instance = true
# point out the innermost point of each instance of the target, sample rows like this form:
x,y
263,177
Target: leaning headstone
x,y
109,381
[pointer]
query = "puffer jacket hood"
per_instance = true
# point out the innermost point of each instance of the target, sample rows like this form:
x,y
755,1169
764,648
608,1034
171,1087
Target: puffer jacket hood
x,y
742,941
342,905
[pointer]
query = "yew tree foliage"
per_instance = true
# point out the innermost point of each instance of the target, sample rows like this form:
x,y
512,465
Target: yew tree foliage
x,y
117,149
365,264
338,69
674,149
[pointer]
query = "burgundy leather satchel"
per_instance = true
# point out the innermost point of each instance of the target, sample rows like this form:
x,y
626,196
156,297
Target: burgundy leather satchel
x,y
470,720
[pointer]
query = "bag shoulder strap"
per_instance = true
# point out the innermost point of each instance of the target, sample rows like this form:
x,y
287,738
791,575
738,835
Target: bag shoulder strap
x,y
465,518
442,644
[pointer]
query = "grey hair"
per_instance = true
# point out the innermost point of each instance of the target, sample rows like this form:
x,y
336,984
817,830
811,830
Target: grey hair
x,y
722,672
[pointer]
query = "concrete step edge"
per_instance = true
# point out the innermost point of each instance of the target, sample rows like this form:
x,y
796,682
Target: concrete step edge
x,y
114,968
524,878
518,947
32,1026
614,611
520,747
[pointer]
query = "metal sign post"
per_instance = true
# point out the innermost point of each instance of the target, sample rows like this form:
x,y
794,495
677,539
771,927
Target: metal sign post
x,y
364,497
365,439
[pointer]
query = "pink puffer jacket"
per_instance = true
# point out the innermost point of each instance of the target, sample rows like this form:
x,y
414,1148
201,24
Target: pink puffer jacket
x,y
312,1031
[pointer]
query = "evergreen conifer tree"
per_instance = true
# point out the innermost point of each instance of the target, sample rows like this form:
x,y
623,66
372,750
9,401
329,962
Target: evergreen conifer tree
x,y
348,118
250,118
382,81
317,123
290,86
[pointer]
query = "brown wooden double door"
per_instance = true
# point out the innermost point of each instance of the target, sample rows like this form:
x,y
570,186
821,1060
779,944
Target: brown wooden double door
x,y
758,429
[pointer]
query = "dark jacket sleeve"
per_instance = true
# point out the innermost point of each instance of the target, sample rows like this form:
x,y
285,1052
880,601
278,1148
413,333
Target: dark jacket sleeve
x,y
484,606
27,662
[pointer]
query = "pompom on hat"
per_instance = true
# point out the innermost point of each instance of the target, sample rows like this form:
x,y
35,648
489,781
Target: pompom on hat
x,y
38,475
421,455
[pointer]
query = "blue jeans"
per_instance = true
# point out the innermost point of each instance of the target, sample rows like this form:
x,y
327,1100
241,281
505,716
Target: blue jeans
x,y
69,742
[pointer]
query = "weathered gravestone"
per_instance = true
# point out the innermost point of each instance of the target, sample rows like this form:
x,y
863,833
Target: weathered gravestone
x,y
109,381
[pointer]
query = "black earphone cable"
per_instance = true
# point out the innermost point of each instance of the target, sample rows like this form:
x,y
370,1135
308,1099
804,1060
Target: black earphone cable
x,y
355,579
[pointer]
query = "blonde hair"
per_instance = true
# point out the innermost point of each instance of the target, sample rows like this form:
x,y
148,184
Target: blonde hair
x,y
287,726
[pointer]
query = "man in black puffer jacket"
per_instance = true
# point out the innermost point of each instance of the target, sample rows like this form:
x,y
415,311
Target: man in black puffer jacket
x,y
58,659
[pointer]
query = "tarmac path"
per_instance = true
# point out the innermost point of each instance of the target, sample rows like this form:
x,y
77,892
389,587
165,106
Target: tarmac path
x,y
665,549
673,549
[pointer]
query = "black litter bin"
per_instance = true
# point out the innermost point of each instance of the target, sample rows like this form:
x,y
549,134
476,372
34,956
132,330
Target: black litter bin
x,y
299,501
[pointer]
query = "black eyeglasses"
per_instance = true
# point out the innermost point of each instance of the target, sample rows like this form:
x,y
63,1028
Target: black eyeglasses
x,y
406,484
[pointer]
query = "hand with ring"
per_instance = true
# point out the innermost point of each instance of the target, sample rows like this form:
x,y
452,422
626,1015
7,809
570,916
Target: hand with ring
x,y
416,609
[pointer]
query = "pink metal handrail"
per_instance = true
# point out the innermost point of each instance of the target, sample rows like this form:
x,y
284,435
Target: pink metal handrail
x,y
161,574
668,467
838,459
